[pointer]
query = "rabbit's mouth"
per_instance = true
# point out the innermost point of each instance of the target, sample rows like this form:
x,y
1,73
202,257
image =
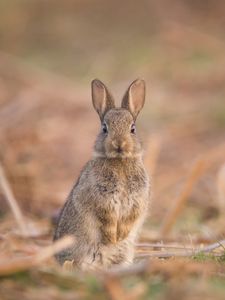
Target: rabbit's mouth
x,y
119,152
118,149
116,154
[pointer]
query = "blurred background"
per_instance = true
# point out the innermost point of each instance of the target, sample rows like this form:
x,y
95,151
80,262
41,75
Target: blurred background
x,y
49,53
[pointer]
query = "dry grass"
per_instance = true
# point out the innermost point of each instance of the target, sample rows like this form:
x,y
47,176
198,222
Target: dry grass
x,y
47,129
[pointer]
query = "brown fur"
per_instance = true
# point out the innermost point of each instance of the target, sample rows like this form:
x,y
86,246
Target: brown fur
x,y
108,204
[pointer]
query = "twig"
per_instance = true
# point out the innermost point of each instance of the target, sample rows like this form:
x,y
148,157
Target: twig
x,y
26,263
173,214
186,252
12,202
161,254
166,246
158,245
207,159
214,246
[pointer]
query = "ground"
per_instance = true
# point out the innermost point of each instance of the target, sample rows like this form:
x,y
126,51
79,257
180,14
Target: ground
x,y
48,126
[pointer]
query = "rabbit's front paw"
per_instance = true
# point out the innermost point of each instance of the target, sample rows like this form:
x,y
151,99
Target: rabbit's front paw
x,y
108,237
122,232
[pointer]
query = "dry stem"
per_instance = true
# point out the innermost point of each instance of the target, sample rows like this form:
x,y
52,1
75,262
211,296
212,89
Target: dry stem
x,y
172,215
12,202
26,263
186,252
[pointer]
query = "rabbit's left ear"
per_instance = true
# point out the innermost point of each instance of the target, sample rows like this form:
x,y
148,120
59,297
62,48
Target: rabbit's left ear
x,y
101,98
134,97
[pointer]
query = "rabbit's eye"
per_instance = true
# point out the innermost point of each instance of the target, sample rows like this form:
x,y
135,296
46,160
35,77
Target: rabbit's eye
x,y
104,128
133,129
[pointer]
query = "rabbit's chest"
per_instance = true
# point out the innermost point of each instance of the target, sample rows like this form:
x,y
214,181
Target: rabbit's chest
x,y
113,184
122,192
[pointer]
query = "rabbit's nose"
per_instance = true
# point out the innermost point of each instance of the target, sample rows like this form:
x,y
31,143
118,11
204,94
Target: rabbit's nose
x,y
119,146
119,149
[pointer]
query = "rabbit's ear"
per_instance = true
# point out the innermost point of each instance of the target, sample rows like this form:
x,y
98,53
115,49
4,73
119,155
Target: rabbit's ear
x,y
101,98
134,97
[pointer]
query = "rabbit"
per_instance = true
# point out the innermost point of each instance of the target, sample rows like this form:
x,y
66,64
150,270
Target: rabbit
x,y
107,206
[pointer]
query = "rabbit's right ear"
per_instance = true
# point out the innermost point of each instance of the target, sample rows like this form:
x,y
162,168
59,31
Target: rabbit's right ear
x,y
101,98
134,97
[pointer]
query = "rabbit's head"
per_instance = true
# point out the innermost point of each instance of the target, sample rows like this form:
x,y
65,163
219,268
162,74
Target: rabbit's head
x,y
117,137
